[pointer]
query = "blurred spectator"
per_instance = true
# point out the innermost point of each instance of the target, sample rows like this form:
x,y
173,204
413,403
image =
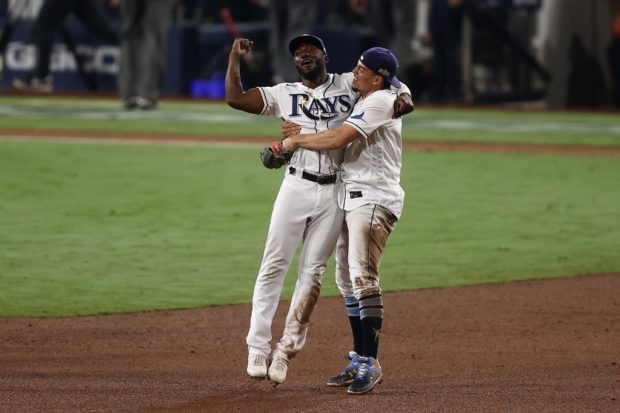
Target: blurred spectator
x,y
143,51
391,24
419,73
445,27
7,27
586,83
288,19
48,23
613,60
241,11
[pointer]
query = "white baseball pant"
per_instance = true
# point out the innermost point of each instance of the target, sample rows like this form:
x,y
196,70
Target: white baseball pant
x,y
303,211
360,249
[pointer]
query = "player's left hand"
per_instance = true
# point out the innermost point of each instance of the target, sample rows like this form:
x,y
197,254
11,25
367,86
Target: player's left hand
x,y
403,105
275,156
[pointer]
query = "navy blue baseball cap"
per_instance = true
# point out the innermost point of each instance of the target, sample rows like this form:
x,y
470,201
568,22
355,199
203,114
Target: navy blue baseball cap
x,y
307,39
382,62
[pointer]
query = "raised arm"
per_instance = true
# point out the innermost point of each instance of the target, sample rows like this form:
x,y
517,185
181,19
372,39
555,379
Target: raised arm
x,y
250,101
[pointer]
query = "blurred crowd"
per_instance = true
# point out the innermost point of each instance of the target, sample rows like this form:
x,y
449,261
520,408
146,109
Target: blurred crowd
x,y
403,26
426,36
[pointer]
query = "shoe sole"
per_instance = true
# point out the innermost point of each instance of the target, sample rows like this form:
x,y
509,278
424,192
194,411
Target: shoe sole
x,y
367,388
274,381
257,376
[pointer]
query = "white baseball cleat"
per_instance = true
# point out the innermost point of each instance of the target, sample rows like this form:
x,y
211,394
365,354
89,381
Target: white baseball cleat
x,y
277,370
257,366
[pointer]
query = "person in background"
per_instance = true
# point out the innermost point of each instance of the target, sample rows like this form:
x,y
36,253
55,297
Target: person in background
x,y
288,19
143,51
48,23
613,60
392,23
445,26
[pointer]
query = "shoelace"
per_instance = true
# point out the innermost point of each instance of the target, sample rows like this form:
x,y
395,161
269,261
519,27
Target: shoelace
x,y
362,370
258,361
364,364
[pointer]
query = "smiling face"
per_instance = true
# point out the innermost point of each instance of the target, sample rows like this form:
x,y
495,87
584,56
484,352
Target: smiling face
x,y
365,80
310,61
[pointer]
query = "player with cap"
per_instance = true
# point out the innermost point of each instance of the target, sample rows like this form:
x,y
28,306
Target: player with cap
x,y
306,209
372,199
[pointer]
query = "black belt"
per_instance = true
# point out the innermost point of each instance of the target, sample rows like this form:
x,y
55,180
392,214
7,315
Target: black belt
x,y
319,179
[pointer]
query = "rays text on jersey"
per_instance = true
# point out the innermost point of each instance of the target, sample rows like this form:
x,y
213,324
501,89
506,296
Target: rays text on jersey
x,y
319,109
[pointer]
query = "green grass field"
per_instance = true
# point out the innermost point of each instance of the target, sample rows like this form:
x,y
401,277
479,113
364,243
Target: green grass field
x,y
105,228
201,118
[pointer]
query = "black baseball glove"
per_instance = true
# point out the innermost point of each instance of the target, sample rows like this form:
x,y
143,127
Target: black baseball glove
x,y
274,156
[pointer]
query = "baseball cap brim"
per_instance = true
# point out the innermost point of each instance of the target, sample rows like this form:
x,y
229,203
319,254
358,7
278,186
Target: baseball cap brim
x,y
394,82
306,39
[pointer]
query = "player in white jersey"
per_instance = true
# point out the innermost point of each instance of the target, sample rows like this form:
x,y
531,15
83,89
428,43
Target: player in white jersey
x,y
306,207
372,199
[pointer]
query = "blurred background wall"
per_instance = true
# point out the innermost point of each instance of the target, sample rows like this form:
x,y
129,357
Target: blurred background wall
x,y
553,53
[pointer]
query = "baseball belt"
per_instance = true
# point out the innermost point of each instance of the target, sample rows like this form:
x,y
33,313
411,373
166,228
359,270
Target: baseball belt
x,y
319,179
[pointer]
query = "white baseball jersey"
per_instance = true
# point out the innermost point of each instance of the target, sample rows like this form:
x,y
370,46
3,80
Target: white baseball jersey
x,y
371,168
315,110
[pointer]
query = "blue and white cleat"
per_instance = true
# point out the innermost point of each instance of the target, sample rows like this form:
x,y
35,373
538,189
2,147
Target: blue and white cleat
x,y
368,375
348,375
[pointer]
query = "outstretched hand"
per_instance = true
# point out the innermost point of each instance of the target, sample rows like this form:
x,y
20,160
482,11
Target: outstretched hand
x,y
403,105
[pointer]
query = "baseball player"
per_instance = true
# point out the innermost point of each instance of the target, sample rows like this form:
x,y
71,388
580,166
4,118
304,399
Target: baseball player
x,y
372,199
306,207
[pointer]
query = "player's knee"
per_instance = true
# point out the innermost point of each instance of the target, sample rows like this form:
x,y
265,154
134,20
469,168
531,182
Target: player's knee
x,y
365,289
345,287
313,278
274,267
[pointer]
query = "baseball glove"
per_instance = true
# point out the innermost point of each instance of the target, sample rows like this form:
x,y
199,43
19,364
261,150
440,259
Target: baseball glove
x,y
274,156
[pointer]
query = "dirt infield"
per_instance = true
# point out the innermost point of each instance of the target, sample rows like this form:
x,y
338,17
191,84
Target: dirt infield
x,y
527,346
533,346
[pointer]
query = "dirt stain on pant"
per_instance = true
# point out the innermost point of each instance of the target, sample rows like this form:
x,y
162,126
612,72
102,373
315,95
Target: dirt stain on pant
x,y
298,318
380,228
310,295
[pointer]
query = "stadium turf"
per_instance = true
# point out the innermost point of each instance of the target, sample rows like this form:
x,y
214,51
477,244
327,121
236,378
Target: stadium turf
x,y
103,228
